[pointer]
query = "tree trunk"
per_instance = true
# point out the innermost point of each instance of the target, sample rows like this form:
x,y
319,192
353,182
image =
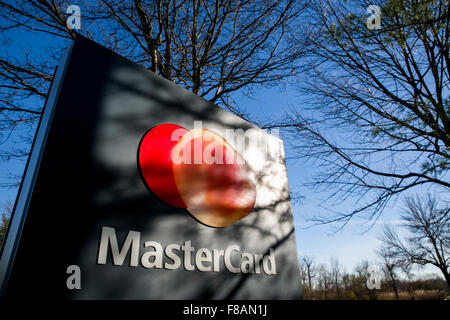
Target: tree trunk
x,y
338,292
309,278
394,285
447,277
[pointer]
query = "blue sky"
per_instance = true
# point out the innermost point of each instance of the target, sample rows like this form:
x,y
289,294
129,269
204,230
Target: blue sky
x,y
359,239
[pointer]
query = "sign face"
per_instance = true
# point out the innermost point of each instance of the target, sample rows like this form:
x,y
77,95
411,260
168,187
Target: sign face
x,y
139,189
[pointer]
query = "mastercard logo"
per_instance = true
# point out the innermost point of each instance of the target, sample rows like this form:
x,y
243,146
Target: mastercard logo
x,y
197,170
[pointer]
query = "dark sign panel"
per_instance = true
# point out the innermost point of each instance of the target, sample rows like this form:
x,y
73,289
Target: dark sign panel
x,y
138,189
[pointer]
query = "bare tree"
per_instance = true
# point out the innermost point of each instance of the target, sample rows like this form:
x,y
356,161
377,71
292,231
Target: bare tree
x,y
390,266
376,113
324,279
213,48
346,282
360,281
336,274
26,70
361,269
5,215
310,269
303,274
427,223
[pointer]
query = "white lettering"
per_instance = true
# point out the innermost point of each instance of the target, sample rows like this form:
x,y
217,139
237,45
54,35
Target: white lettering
x,y
108,236
227,259
202,259
247,264
152,259
74,280
217,255
269,263
171,255
187,255
203,255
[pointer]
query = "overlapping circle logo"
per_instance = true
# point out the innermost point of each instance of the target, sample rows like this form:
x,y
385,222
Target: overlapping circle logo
x,y
197,170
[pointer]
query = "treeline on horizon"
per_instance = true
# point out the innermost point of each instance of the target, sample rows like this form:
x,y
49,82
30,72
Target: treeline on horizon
x,y
332,282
